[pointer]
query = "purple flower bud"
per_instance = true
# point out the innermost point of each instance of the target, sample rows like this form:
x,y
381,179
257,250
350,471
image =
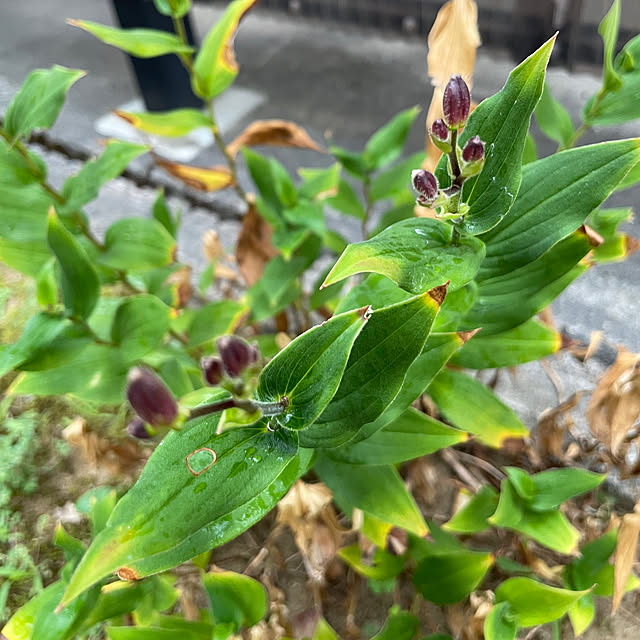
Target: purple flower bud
x,y
473,150
425,184
456,102
236,354
439,130
150,398
138,429
212,370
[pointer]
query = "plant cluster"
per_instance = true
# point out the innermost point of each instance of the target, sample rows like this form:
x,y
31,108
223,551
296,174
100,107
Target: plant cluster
x,y
241,421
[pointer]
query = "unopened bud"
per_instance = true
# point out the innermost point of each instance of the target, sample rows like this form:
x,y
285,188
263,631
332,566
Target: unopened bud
x,y
236,354
212,370
456,102
138,429
473,150
441,136
150,398
426,186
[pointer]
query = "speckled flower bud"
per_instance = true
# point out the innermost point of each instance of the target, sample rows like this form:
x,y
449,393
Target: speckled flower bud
x,y
426,186
473,150
150,398
441,136
236,354
456,102
138,429
212,370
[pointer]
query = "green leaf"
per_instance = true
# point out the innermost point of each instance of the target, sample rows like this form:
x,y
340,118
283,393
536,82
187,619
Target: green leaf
x,y
530,153
382,566
188,631
481,413
324,632
400,625
473,515
385,145
550,528
630,180
390,217
307,215
78,277
213,320
139,325
197,491
536,603
608,29
502,122
584,571
501,623
553,119
581,614
83,187
175,8
39,101
215,66
556,196
605,222
397,179
416,254
262,175
523,484
135,244
308,371
47,285
235,598
508,300
391,340
318,183
553,487
411,435
346,201
141,43
162,213
450,576
41,329
352,162
375,489
529,341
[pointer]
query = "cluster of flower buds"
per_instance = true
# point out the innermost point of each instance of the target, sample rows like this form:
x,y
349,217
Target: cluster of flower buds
x,y
152,401
463,163
236,358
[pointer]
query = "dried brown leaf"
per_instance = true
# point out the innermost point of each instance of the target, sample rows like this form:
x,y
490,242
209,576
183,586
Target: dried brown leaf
x,y
625,556
180,281
201,178
615,404
211,245
254,248
552,425
278,133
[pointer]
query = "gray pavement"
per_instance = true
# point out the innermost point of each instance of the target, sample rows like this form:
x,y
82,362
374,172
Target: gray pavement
x,y
340,83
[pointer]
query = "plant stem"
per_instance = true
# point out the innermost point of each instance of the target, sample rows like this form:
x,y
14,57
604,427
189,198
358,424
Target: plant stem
x,y
250,406
181,32
576,136
366,190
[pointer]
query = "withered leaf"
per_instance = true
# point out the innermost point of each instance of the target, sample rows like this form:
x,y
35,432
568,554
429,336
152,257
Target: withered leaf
x,y
201,178
254,247
625,556
278,133
615,404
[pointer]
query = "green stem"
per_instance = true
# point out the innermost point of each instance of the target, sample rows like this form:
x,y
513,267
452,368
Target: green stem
x,y
366,190
576,136
250,406
181,32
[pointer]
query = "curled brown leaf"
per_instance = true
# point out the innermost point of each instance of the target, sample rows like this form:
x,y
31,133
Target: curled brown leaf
x,y
625,556
254,247
278,133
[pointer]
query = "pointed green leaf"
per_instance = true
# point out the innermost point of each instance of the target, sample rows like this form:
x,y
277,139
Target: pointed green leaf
x,y
554,486
472,516
170,124
448,577
198,490
141,43
501,623
214,320
530,153
318,183
536,603
523,484
78,278
162,213
608,29
581,614
481,413
83,187
308,371
554,119
400,625
378,490
175,8
411,435
392,339
353,162
382,566
416,254
385,145
502,122
556,196
346,201
39,101
215,66
235,598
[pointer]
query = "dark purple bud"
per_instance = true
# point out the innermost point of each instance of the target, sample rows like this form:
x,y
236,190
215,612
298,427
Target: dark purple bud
x,y
236,354
473,150
255,354
456,102
440,130
138,429
425,184
212,370
150,398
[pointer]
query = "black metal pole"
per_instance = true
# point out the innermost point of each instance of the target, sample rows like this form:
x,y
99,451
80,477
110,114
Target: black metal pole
x,y
163,81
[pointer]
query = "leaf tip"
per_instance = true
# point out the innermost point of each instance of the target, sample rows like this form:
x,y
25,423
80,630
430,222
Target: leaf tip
x,y
465,336
438,294
594,238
